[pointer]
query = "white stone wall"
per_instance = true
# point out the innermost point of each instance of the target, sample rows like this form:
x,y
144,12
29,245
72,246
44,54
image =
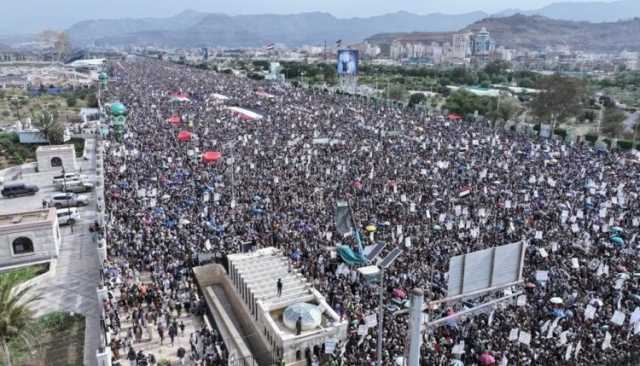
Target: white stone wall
x,y
65,152
46,245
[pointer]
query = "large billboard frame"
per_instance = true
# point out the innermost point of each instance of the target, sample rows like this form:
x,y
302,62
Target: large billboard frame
x,y
485,270
347,62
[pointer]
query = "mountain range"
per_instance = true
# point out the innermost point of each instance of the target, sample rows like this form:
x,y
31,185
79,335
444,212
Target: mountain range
x,y
195,29
536,32
192,28
595,11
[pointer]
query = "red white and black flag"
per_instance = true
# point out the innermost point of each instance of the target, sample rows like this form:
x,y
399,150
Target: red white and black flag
x,y
270,46
339,43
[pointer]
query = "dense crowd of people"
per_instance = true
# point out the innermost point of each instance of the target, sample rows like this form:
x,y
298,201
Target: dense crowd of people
x,y
436,188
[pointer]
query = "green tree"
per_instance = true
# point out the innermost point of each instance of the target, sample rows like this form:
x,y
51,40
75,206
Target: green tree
x,y
417,98
92,101
16,316
18,104
559,98
502,109
464,103
612,119
497,67
52,129
71,101
396,92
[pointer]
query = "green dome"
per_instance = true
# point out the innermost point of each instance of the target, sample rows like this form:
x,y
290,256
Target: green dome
x,y
103,76
118,109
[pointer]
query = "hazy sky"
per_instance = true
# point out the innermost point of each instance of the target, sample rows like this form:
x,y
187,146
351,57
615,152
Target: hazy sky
x,y
22,16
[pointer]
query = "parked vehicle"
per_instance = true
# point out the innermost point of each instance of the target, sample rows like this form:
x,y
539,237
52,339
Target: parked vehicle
x,y
17,189
68,216
63,200
75,186
59,179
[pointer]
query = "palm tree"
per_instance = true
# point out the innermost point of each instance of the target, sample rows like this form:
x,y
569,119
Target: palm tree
x,y
16,317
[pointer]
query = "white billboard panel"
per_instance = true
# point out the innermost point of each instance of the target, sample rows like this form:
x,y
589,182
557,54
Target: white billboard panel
x,y
485,269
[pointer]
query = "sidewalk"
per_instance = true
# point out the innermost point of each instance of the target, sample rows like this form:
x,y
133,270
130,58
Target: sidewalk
x,y
161,352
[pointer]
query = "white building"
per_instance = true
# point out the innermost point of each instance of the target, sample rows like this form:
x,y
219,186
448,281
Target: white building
x,y
28,238
461,46
56,157
254,276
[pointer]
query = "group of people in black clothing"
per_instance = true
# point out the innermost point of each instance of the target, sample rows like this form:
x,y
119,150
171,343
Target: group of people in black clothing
x,y
437,189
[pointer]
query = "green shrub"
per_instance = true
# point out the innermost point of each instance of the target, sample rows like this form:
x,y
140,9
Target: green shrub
x,y
625,144
591,138
561,132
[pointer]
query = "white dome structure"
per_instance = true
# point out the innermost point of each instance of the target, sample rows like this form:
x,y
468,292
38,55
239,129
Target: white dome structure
x,y
310,314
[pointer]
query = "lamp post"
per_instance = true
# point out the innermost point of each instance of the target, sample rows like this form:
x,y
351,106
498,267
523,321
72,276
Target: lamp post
x,y
380,317
384,264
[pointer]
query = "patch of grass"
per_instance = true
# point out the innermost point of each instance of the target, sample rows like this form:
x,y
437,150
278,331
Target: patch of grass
x,y
13,152
21,275
59,341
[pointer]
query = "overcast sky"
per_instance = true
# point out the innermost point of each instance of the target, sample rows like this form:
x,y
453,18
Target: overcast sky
x,y
24,16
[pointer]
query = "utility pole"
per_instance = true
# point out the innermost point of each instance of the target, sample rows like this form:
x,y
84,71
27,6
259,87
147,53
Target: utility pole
x,y
415,323
380,317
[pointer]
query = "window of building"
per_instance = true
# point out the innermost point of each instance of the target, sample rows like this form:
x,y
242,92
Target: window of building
x,y
22,245
56,162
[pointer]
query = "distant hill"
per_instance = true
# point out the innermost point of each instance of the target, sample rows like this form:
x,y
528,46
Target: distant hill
x,y
192,28
535,32
596,11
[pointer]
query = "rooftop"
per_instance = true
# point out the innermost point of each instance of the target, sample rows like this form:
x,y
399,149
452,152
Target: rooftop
x,y
30,217
54,148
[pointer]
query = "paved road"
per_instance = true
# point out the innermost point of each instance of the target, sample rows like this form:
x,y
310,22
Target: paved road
x,y
72,288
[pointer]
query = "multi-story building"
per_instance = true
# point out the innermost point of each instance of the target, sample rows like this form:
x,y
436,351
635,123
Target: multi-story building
x,y
461,46
482,44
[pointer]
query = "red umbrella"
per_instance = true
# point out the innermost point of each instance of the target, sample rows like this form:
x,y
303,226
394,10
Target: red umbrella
x,y
454,117
211,156
184,136
487,359
174,120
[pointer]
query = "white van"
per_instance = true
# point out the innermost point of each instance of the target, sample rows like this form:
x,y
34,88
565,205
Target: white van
x,y
59,179
68,216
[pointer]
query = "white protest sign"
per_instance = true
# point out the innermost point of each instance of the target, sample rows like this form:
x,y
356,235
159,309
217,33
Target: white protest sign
x,y
524,338
607,341
618,318
542,276
330,346
635,316
362,330
543,253
590,312
458,349
371,320
522,300
574,263
567,354
513,335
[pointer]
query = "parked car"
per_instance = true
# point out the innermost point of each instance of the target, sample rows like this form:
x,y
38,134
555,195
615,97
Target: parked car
x,y
68,216
75,186
17,189
62,200
59,179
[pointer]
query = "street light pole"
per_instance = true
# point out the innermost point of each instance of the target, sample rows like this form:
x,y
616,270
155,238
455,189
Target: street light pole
x,y
380,316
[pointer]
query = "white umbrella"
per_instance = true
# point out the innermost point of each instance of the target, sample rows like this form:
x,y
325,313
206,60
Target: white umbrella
x,y
556,300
